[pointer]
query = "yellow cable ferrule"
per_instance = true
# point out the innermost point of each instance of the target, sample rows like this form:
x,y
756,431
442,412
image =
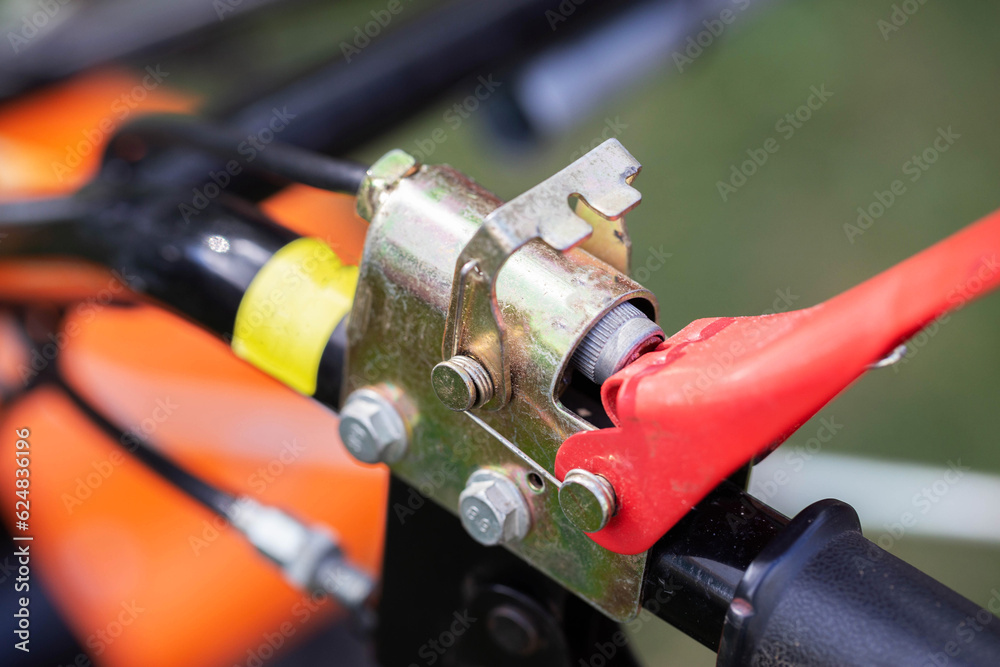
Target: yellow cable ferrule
x,y
289,312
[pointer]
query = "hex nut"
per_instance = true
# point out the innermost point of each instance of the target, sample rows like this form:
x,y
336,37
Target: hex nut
x,y
493,510
371,428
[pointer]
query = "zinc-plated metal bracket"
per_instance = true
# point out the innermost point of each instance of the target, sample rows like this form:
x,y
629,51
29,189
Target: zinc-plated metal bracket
x,y
422,218
586,201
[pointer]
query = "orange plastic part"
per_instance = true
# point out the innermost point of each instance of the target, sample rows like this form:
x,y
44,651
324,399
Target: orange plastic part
x,y
111,538
53,139
52,142
108,532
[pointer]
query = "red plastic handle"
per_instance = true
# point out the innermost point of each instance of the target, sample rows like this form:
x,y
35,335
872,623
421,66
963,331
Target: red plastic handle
x,y
724,390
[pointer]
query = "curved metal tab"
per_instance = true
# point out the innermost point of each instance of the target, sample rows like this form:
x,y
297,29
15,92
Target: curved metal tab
x,y
550,211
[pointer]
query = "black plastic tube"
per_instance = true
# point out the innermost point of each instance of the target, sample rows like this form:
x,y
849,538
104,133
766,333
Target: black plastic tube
x,y
42,227
693,571
821,595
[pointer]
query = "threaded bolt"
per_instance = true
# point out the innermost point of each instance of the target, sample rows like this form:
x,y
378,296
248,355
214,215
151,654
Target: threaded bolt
x,y
461,383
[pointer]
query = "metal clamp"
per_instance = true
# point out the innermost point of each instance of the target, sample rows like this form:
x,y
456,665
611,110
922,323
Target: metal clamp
x,y
586,200
433,256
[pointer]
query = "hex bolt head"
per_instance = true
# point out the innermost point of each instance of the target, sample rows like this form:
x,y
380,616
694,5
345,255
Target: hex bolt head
x,y
493,510
461,383
587,500
371,428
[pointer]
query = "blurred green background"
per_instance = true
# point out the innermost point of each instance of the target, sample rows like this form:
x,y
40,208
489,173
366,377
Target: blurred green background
x,y
784,229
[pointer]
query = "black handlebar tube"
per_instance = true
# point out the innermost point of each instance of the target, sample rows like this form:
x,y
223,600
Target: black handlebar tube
x,y
693,571
198,266
821,595
813,592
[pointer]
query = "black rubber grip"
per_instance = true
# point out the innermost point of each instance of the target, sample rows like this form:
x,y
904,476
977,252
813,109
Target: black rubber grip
x,y
822,594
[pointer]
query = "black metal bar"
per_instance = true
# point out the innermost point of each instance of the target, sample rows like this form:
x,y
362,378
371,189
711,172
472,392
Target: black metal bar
x,y
196,258
349,101
104,32
693,571
43,227
821,595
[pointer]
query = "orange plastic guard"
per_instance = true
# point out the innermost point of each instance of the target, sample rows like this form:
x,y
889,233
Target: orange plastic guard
x,y
724,390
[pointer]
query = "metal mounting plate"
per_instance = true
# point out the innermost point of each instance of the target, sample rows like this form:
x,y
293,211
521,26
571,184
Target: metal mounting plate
x,y
549,299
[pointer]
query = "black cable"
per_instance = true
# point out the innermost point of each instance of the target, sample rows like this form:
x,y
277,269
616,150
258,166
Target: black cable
x,y
206,494
285,161
213,498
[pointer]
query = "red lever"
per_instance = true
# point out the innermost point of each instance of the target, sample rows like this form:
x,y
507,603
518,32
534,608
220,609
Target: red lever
x,y
724,390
